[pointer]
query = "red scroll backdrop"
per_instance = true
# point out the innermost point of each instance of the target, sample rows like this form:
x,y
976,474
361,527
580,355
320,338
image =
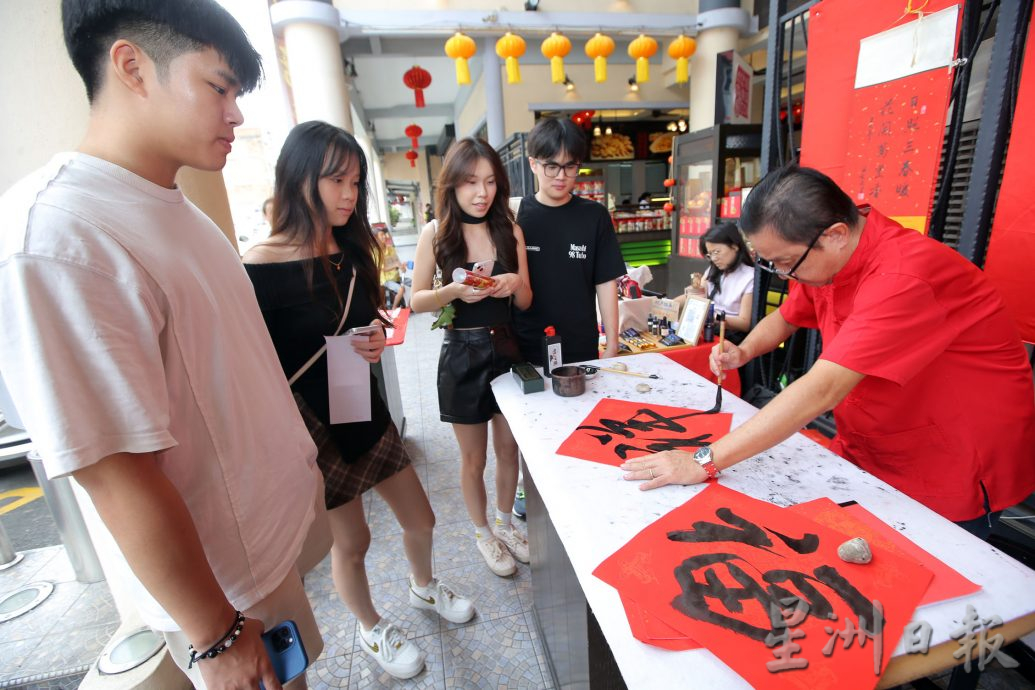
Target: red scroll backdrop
x,y
1011,251
881,143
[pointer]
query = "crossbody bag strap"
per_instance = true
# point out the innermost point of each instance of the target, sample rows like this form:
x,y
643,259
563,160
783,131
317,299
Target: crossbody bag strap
x,y
323,348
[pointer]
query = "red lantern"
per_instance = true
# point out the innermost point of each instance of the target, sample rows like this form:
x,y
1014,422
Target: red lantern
x,y
418,79
411,155
413,131
670,182
583,118
668,207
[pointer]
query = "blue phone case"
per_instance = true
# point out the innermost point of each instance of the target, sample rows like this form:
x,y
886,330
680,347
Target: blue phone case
x,y
284,646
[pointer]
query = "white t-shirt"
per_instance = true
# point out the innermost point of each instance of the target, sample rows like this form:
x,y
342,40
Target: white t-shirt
x,y
129,325
734,284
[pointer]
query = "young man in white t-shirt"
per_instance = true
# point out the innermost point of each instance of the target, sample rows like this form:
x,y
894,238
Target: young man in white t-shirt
x,y
134,348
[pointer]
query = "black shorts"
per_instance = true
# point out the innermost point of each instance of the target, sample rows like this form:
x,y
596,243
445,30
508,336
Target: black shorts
x,y
469,361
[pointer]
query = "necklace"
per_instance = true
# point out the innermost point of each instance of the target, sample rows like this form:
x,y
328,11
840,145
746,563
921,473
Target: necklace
x,y
337,266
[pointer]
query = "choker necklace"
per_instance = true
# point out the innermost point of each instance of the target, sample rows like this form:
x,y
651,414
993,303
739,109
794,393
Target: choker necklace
x,y
472,220
337,266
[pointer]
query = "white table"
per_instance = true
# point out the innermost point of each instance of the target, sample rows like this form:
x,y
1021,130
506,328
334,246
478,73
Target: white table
x,y
595,512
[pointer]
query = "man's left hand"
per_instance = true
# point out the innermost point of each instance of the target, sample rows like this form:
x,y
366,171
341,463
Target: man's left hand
x,y
664,468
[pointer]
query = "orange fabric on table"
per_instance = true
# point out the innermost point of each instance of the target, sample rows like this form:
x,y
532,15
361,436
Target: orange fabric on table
x,y
696,360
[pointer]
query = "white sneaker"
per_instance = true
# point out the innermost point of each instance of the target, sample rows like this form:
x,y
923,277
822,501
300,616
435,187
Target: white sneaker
x,y
439,597
398,656
514,540
496,556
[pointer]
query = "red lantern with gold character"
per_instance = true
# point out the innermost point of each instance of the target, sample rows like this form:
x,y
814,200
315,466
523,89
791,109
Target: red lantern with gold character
x,y
418,79
414,131
411,156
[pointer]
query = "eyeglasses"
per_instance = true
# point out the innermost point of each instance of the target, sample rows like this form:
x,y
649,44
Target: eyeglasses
x,y
715,253
552,169
769,267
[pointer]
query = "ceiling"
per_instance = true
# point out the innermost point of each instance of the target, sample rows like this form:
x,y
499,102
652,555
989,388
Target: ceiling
x,y
379,47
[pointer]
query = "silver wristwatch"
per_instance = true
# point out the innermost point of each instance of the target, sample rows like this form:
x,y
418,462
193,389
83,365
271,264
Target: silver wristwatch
x,y
706,459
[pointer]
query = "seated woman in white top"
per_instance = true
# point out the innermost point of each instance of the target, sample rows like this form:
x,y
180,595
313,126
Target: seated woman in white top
x,y
729,281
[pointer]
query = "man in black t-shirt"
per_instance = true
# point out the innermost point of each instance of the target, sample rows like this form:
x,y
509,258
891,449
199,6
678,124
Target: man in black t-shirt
x,y
573,255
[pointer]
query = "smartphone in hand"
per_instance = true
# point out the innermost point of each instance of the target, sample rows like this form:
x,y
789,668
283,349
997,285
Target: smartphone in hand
x,y
286,652
363,330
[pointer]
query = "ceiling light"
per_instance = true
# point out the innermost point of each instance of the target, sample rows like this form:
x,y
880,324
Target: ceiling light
x,y
607,131
633,86
671,126
682,125
568,83
596,131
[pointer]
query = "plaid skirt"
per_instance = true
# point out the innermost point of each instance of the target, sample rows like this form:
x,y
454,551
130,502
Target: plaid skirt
x,y
345,481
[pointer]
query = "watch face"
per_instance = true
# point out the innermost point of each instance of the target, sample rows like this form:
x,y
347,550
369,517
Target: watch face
x,y
703,454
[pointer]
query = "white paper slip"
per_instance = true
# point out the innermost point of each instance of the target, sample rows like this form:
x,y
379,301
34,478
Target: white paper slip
x,y
911,48
348,380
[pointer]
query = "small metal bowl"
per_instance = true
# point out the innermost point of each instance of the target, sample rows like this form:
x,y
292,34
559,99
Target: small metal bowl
x,y
568,381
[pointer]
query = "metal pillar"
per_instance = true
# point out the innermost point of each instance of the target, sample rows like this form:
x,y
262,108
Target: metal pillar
x,y
996,118
494,121
69,521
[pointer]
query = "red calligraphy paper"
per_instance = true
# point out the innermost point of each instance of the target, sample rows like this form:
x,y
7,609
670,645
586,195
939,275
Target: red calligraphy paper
x,y
619,429
724,568
648,628
856,521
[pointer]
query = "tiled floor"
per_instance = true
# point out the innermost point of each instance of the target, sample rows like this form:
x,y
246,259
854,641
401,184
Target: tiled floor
x,y
498,648
51,647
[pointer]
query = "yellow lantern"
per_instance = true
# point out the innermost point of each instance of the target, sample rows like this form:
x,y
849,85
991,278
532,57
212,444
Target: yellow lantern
x,y
461,48
600,48
555,48
642,49
680,50
511,47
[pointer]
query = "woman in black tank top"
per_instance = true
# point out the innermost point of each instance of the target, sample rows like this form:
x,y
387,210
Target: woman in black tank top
x,y
476,232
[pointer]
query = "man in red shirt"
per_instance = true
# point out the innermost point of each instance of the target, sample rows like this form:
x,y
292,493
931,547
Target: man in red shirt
x,y
929,382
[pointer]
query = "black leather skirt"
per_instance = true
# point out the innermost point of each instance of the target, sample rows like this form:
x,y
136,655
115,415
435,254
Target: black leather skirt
x,y
470,359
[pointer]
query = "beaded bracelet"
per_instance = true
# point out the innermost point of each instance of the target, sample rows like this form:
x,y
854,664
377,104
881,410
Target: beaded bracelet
x,y
221,645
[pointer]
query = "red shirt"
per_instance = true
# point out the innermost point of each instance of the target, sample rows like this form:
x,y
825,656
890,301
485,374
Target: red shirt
x,y
946,412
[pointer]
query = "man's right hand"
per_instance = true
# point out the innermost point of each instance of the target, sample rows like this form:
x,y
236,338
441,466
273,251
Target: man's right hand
x,y
729,357
243,666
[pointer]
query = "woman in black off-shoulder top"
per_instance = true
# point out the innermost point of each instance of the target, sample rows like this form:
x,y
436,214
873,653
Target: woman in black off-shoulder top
x,y
321,261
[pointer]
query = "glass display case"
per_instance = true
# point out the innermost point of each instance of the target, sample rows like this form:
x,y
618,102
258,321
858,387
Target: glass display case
x,y
714,169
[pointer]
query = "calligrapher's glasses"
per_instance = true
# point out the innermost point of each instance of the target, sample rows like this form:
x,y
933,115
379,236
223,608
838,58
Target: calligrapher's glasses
x,y
769,267
553,169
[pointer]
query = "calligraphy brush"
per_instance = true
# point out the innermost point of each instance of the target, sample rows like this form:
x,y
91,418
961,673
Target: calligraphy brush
x,y
721,318
619,371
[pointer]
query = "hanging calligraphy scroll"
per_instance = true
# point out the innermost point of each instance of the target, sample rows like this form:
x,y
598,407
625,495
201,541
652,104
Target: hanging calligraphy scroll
x,y
764,590
895,107
620,429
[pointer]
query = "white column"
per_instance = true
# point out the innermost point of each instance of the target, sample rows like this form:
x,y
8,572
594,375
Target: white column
x,y
702,74
312,39
493,93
